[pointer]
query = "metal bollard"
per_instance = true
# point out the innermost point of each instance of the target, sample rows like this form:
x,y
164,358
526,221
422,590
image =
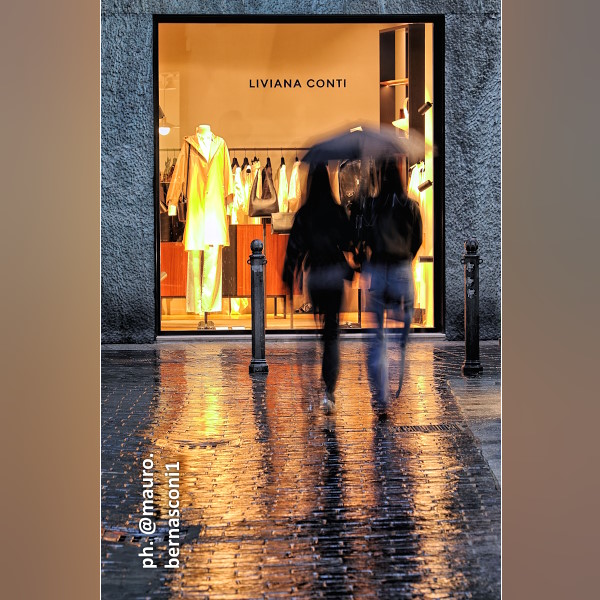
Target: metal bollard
x,y
471,260
257,262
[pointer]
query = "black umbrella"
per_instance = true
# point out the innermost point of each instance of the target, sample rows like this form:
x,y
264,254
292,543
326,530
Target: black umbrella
x,y
359,144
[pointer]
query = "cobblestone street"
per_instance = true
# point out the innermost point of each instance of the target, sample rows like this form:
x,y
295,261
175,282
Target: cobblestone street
x,y
278,500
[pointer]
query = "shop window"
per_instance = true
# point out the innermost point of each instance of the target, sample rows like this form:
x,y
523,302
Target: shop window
x,y
245,96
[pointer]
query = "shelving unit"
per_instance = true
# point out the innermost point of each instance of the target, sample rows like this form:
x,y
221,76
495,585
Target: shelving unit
x,y
404,74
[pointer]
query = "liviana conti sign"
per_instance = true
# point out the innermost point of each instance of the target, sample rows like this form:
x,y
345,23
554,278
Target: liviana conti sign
x,y
338,82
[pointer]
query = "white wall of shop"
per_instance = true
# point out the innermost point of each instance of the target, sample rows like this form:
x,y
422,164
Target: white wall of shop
x,y
216,62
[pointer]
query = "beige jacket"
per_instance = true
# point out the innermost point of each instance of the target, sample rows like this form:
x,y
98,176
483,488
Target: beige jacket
x,y
209,186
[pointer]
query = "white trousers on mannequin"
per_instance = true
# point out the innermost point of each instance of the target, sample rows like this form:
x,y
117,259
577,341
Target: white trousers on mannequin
x,y
204,280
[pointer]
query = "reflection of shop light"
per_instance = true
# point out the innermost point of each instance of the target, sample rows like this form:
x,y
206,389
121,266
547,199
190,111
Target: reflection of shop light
x,y
425,185
423,109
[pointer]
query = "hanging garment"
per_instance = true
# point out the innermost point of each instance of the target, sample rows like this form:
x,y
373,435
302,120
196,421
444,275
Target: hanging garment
x,y
254,173
426,203
209,186
282,188
294,188
415,179
246,177
237,206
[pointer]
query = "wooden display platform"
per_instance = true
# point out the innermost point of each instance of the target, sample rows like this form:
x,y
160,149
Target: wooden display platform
x,y
173,262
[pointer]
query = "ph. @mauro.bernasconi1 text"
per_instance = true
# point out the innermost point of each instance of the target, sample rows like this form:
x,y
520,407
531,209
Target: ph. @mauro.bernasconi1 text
x,y
151,559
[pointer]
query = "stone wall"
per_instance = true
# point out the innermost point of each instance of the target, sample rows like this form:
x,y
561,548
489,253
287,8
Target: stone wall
x,y
472,148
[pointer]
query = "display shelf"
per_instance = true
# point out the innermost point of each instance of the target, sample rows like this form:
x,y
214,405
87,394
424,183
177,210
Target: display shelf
x,y
392,82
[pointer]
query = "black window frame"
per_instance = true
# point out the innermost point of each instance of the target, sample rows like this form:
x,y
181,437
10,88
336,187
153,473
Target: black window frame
x,y
439,244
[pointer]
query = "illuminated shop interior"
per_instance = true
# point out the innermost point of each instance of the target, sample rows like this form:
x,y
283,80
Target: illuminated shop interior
x,y
269,91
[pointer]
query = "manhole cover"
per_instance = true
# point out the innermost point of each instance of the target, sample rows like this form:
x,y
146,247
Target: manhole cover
x,y
429,428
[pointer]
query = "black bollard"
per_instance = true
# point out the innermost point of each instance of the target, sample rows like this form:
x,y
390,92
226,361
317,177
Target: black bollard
x,y
257,262
471,260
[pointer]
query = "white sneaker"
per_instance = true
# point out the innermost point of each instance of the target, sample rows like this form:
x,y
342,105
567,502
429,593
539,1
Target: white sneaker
x,y
328,403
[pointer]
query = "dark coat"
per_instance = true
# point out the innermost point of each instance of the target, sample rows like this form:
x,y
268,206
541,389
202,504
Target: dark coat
x,y
394,229
320,235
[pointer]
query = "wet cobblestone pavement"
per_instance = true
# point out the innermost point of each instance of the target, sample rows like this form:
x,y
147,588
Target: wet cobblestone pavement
x,y
278,500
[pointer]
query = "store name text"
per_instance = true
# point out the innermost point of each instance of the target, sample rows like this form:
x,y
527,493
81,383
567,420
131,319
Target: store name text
x,y
296,83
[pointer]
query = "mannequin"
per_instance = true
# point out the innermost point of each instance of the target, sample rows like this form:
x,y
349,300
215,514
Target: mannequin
x,y
204,135
210,261
203,174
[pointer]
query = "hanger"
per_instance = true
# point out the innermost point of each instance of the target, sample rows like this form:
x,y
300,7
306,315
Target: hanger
x,y
268,159
296,154
255,159
282,158
235,162
245,163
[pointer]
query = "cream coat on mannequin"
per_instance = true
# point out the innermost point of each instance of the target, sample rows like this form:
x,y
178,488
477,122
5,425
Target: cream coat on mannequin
x,y
209,187
204,136
208,184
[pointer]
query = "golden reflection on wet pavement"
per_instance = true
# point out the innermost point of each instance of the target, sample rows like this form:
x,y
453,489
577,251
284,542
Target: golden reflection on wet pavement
x,y
279,500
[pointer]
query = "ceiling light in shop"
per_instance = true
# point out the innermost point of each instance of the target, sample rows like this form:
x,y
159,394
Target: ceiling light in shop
x,y
164,127
402,121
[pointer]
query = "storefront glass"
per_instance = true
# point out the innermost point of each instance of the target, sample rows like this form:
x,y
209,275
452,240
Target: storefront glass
x,y
246,96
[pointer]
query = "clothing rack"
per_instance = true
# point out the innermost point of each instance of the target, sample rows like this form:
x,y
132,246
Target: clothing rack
x,y
246,148
269,149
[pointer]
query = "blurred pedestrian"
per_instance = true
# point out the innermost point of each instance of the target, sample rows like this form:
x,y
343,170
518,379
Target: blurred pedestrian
x,y
393,237
320,236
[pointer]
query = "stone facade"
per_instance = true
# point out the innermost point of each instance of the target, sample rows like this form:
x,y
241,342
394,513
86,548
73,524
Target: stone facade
x,y
472,148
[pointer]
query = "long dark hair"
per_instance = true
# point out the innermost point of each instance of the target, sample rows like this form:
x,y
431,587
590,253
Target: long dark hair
x,y
391,182
319,188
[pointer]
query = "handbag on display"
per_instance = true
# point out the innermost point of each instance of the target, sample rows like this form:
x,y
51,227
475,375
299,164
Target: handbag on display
x,y
182,202
182,208
258,207
282,222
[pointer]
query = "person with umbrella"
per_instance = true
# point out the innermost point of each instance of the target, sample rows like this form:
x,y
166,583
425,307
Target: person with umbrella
x,y
393,238
359,149
320,236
